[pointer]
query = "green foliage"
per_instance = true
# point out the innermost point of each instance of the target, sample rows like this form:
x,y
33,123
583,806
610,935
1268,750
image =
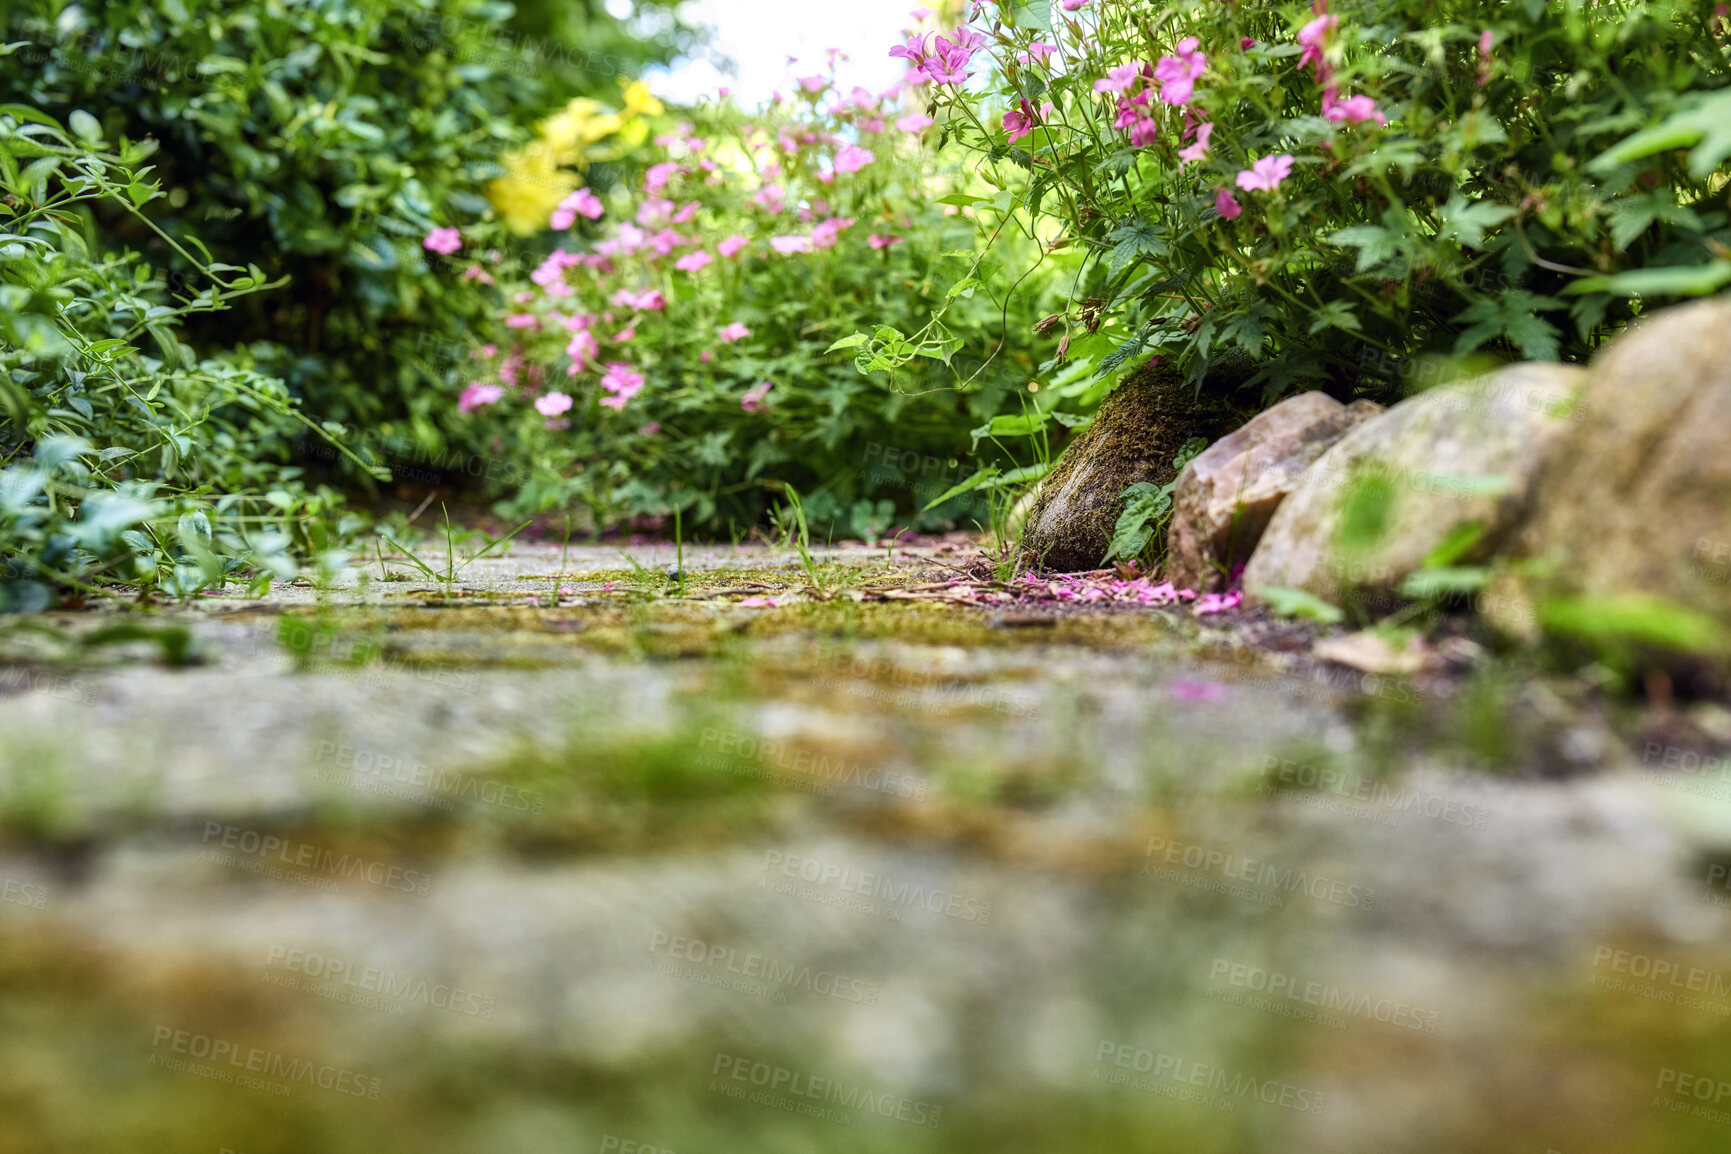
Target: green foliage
x,y
126,457
1463,175
323,141
1147,508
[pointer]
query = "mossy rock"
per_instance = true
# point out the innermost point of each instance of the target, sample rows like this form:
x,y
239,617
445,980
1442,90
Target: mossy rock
x,y
1140,428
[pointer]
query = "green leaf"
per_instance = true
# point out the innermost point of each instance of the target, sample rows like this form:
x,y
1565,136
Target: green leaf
x,y
1285,602
1130,242
849,342
980,478
1442,582
1144,505
85,126
1374,243
1633,618
1692,280
1466,221
1703,122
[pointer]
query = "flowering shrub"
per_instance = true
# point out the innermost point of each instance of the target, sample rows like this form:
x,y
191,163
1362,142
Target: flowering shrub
x,y
668,352
1336,191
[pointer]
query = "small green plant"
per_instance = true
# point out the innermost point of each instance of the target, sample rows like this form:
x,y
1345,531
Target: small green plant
x,y
1140,531
453,569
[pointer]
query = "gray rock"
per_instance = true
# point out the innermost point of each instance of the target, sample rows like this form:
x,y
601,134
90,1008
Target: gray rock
x,y
1376,504
1226,496
1637,499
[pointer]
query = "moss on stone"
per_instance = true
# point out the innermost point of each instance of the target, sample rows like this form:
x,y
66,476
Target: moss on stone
x,y
1140,428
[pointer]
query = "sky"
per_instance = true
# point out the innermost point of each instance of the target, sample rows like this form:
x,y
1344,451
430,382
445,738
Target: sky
x,y
759,35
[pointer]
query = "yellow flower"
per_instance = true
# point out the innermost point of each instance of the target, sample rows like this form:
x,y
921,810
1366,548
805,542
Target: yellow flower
x,y
579,123
638,101
532,187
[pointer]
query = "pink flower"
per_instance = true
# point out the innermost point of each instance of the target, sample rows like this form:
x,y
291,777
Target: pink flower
x,y
580,203
753,401
1226,204
914,122
550,273
622,381
769,198
1199,150
1266,174
692,261
1488,38
731,246
687,211
1019,122
1038,50
1352,110
476,272
1178,74
813,84
734,332
1217,602
705,356
628,333
1119,79
825,234
582,349
1247,43
787,245
649,430
486,351
758,603
657,176
852,158
1072,5
1197,690
1313,37
947,62
877,241
650,300
443,241
552,404
477,395
521,321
